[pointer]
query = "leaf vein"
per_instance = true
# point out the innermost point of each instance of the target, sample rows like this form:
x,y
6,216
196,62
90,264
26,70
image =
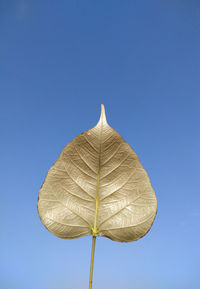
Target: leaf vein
x,y
124,207
149,217
82,171
84,161
119,187
90,143
112,155
70,225
56,200
77,195
116,167
77,183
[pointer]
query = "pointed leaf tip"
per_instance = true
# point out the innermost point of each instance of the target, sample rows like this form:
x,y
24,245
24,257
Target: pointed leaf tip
x,y
102,119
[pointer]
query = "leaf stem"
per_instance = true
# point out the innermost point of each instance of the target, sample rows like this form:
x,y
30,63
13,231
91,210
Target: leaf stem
x,y
92,261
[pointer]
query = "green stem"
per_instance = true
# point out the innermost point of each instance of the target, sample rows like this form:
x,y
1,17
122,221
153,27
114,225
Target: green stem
x,y
92,261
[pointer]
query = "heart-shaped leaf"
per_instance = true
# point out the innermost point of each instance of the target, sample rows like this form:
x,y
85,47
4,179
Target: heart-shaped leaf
x,y
98,187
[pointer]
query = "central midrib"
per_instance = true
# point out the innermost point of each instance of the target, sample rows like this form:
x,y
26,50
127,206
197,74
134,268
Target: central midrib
x,y
95,228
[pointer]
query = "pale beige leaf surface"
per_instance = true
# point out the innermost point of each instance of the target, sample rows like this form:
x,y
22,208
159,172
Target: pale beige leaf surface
x,y
98,187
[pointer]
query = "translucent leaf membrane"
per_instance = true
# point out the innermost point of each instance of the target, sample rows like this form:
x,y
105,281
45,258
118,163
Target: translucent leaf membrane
x,y
98,187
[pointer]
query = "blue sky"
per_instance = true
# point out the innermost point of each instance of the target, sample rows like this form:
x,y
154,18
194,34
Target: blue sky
x,y
59,61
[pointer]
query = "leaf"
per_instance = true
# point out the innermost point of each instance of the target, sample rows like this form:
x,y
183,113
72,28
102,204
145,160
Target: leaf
x,y
98,187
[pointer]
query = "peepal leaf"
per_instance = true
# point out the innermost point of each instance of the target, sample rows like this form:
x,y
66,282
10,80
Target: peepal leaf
x,y
98,187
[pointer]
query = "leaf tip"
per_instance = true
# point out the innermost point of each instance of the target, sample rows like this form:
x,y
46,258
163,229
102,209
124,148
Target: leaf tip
x,y
102,119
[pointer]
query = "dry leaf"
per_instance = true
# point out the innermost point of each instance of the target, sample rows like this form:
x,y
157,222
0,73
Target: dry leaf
x,y
98,187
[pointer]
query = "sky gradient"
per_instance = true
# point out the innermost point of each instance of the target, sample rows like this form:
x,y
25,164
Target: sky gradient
x,y
59,61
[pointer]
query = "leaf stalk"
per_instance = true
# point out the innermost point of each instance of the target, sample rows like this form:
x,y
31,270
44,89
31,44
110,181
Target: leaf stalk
x,y
92,261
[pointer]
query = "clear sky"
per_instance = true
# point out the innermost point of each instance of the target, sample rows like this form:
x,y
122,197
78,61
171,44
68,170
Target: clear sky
x,y
59,61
